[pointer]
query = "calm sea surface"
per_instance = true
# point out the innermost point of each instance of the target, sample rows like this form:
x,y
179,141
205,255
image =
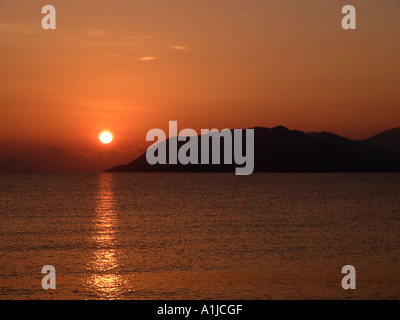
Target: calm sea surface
x,y
200,236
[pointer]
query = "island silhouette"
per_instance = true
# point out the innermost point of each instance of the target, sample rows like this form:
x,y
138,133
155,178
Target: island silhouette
x,y
279,149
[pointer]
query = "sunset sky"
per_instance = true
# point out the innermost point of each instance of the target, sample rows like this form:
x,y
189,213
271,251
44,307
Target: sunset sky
x,y
131,66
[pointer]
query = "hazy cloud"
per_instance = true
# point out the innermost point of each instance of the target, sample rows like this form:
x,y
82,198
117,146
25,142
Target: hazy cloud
x,y
147,58
54,151
12,28
96,32
55,159
180,48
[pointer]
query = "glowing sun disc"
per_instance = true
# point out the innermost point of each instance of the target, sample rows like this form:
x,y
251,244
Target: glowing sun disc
x,y
106,137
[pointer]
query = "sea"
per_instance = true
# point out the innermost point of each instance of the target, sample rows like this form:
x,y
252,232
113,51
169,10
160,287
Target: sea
x,y
200,236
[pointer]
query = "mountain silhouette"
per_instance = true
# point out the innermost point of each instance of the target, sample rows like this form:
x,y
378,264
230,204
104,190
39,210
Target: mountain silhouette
x,y
388,140
282,150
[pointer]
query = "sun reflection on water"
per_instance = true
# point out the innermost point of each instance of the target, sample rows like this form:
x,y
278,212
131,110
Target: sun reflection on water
x,y
104,280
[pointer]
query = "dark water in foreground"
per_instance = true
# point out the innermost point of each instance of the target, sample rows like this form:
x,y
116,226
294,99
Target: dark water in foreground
x,y
200,236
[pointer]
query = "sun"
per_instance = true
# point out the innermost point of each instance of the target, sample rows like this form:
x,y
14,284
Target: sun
x,y
106,137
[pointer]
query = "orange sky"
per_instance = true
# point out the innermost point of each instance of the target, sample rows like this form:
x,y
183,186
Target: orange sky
x,y
130,66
